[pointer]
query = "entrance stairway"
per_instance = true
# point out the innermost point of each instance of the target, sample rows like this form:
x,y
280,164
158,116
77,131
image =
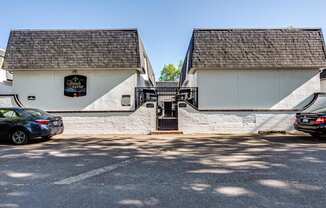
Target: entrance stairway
x,y
166,132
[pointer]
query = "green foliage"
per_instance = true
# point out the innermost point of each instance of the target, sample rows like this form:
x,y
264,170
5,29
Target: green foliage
x,y
170,72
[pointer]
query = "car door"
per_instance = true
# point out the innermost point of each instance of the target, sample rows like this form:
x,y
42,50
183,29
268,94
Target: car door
x,y
5,123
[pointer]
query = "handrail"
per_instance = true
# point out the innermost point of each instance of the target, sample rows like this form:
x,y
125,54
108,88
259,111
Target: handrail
x,y
143,94
16,99
316,95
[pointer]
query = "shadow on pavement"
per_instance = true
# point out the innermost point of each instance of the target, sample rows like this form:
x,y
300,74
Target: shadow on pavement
x,y
171,171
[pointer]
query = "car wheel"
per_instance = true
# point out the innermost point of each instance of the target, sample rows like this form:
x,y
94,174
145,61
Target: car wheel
x,y
19,137
315,135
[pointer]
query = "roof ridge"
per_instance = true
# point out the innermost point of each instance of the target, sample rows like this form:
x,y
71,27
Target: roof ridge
x,y
76,29
262,29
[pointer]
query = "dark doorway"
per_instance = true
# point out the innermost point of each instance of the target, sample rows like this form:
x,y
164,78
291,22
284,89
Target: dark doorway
x,y
167,118
167,109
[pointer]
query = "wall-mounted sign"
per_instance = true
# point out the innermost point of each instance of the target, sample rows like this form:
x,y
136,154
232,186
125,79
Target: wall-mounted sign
x,y
149,105
31,97
75,86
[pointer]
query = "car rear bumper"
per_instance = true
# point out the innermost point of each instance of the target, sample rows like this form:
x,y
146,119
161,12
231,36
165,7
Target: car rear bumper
x,y
56,131
310,128
47,131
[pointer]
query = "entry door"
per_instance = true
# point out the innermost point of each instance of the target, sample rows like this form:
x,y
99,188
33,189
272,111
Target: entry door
x,y
167,115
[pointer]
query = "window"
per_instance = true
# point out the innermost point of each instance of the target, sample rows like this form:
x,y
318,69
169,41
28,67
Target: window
x,y
8,114
125,100
35,112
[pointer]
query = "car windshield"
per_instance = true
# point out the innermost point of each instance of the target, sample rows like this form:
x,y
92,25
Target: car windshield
x,y
36,112
319,106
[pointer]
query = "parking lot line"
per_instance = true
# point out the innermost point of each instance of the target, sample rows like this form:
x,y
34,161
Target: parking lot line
x,y
92,173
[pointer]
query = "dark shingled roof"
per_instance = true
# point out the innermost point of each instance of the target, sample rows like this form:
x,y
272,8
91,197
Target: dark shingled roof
x,y
255,48
75,49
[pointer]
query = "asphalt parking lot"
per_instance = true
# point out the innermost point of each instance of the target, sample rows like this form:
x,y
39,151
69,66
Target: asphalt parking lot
x,y
165,171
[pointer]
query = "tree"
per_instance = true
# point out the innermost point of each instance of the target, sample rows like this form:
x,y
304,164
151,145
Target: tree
x,y
170,72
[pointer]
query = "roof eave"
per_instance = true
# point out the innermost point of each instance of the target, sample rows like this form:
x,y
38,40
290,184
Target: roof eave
x,y
259,28
75,29
73,69
194,69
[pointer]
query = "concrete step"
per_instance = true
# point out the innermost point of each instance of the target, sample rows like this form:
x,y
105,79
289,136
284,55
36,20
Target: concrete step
x,y
166,132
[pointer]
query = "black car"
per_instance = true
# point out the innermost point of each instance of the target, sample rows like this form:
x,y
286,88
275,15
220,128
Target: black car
x,y
22,124
313,119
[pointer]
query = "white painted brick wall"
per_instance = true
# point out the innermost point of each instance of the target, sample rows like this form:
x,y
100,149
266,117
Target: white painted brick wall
x,y
142,121
193,121
7,101
323,85
5,88
104,89
255,89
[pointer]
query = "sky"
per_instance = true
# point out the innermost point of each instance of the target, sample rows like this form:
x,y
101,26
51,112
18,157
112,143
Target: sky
x,y
165,26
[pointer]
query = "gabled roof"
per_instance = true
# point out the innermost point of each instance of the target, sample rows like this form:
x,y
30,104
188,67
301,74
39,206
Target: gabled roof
x,y
255,48
75,49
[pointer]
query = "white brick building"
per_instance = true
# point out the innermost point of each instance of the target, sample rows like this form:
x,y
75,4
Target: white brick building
x,y
5,83
250,79
107,64
83,75
233,80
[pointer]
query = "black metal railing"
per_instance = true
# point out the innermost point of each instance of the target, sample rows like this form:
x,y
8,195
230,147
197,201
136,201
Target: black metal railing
x,y
189,95
146,94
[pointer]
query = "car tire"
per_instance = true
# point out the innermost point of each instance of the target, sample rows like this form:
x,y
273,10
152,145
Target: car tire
x,y
315,135
19,137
